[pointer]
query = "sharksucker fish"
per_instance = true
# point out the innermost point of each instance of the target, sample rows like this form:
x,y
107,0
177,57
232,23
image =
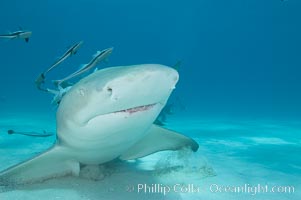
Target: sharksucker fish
x,y
98,57
17,34
71,51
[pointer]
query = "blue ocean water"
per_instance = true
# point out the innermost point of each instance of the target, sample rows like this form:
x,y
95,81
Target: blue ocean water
x,y
240,60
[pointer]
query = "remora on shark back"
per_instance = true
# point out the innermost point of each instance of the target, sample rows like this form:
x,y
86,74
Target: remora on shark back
x,y
106,115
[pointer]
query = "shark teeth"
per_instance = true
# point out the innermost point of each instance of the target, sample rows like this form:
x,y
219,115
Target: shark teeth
x,y
137,109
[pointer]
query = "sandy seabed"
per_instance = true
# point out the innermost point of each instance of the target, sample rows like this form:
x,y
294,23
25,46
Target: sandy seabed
x,y
236,159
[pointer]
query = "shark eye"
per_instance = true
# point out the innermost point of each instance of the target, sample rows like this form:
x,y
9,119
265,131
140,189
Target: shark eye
x,y
110,90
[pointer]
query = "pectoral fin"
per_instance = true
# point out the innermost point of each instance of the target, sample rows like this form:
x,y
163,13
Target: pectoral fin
x,y
52,163
159,139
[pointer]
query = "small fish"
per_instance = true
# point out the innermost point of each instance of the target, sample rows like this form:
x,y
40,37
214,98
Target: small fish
x,y
98,57
71,51
17,34
33,134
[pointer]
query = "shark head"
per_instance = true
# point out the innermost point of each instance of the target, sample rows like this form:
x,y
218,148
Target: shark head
x,y
118,102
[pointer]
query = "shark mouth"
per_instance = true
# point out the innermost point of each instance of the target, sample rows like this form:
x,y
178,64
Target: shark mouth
x,y
137,109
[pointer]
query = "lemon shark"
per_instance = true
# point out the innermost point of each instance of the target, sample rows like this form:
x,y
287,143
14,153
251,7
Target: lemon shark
x,y
107,115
